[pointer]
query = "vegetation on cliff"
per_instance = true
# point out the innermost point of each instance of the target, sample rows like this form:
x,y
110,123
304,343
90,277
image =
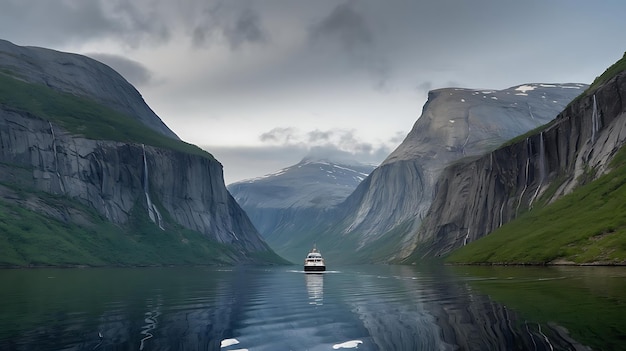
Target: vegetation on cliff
x,y
31,239
83,116
586,226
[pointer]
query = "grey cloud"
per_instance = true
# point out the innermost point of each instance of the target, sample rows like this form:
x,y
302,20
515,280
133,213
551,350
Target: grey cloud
x,y
318,135
247,29
244,26
346,30
140,21
50,23
336,140
280,135
133,71
345,27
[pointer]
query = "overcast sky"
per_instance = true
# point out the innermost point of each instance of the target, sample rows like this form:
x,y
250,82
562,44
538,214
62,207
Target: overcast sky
x,y
261,83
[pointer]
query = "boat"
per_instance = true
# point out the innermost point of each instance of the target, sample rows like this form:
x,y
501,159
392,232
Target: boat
x,y
314,262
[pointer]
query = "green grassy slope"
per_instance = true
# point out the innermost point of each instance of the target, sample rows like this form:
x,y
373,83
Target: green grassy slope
x,y
28,238
83,116
588,225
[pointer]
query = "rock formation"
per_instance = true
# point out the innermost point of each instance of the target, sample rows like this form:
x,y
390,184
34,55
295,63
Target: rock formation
x,y
474,197
38,154
379,219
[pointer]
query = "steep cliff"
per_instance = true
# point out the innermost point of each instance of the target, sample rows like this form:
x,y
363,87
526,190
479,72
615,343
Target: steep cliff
x,y
79,75
287,207
70,160
475,197
381,216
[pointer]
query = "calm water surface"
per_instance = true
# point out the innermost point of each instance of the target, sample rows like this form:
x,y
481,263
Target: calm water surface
x,y
282,308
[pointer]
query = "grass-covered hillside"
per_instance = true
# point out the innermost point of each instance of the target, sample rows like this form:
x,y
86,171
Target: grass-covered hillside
x,y
586,226
29,238
82,116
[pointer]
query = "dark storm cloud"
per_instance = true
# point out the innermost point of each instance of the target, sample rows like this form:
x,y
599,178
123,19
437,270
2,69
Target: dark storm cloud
x,y
346,30
246,29
50,23
236,26
133,71
344,26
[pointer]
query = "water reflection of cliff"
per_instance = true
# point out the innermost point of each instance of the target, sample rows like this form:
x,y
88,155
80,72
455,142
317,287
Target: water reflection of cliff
x,y
315,288
145,309
423,310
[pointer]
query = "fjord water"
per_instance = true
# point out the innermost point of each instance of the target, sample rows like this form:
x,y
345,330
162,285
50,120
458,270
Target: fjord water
x,y
283,308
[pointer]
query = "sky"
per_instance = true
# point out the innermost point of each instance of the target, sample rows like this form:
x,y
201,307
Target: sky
x,y
261,84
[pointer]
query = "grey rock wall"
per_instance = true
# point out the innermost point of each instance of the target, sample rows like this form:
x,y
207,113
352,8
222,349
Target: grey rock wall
x,y
110,177
474,197
455,123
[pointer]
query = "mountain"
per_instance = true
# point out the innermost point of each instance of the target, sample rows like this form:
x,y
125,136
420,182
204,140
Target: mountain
x,y
89,175
288,206
560,188
379,219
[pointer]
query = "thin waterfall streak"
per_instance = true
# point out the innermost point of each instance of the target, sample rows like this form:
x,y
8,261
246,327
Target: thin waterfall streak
x,y
501,209
525,180
153,212
56,160
466,237
542,167
594,120
542,159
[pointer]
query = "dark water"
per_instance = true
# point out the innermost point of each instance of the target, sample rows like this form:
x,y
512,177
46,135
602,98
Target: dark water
x,y
282,308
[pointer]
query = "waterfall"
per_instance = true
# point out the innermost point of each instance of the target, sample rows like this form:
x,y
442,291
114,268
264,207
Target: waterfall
x,y
153,212
521,196
466,237
56,160
595,121
501,209
541,166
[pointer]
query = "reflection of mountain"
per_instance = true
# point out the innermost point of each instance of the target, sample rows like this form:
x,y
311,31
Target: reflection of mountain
x,y
315,288
429,309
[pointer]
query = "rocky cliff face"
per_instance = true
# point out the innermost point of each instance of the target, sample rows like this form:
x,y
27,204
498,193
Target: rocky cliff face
x,y
79,75
474,197
114,179
455,123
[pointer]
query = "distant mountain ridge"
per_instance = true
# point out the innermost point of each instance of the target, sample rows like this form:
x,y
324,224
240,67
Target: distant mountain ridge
x,y
286,205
